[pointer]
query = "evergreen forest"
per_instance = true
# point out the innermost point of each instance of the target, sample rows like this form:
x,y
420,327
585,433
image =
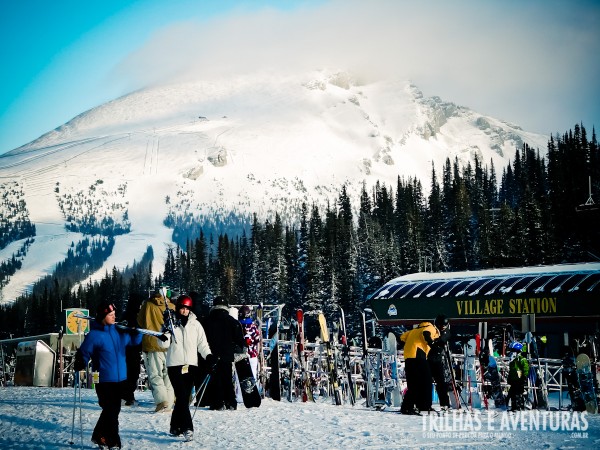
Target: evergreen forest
x,y
336,257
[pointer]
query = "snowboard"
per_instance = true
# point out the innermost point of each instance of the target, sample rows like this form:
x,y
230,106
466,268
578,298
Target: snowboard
x,y
536,377
570,374
391,349
274,378
471,393
291,361
250,393
495,383
586,383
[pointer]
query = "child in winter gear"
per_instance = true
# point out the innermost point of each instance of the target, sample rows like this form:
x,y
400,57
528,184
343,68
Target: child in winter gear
x,y
518,371
105,346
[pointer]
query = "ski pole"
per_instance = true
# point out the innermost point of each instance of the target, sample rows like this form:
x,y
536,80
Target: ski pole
x,y
71,442
201,390
80,417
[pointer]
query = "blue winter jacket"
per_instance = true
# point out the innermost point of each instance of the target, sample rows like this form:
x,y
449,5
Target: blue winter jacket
x,y
105,345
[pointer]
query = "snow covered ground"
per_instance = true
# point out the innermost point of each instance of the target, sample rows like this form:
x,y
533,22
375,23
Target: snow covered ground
x,y
42,418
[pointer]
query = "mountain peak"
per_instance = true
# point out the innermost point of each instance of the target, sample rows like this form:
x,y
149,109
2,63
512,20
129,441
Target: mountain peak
x,y
208,151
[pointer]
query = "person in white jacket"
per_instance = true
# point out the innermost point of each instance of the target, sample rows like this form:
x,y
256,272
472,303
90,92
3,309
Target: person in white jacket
x,y
182,363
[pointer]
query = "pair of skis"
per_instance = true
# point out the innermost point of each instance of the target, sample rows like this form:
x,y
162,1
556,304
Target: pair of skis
x,y
334,379
305,376
123,326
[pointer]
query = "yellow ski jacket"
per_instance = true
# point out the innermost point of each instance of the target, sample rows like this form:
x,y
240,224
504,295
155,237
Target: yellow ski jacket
x,y
417,342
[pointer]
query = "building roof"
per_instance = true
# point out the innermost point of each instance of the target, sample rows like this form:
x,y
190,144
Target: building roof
x,y
562,278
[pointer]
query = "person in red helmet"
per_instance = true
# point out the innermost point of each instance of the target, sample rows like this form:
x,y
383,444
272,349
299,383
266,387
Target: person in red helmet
x,y
183,347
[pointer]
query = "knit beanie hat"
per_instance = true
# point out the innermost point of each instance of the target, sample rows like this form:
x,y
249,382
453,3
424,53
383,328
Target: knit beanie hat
x,y
219,300
103,309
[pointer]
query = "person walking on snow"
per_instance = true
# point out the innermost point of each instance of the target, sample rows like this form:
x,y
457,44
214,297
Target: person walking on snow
x,y
151,316
417,343
105,345
183,347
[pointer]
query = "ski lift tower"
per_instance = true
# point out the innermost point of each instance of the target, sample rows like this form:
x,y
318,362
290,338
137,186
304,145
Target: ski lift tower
x,y
589,205
588,217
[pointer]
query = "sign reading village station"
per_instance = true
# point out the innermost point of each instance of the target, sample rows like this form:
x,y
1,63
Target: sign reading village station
x,y
500,307
558,305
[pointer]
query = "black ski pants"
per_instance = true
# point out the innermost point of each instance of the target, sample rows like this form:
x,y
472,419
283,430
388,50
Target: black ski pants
x,y
221,386
106,430
419,385
516,395
439,376
181,419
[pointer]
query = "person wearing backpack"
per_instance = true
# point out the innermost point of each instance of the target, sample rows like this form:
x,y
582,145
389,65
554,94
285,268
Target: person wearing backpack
x,y
518,371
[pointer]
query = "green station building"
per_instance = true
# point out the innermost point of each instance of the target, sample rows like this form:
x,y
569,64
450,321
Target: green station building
x,y
561,302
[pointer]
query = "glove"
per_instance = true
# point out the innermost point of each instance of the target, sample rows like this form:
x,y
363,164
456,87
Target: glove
x,y
211,361
164,337
79,363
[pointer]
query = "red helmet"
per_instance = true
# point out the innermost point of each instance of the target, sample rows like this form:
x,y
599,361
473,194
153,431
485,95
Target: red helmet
x,y
184,300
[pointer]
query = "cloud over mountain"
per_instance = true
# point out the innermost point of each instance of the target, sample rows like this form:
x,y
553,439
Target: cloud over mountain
x,y
215,152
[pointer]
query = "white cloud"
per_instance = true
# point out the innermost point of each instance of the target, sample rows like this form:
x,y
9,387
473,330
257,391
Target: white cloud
x,y
533,63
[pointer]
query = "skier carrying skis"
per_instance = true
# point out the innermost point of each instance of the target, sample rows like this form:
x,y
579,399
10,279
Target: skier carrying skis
x,y
418,342
151,316
436,358
182,363
105,345
518,371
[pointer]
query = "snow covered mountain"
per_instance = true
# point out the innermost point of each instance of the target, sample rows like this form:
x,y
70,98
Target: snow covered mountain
x,y
214,149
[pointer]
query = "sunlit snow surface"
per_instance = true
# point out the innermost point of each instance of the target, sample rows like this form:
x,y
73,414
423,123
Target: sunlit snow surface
x,y
42,418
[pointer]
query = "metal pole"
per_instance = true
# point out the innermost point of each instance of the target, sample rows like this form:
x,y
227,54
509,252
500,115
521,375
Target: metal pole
x,y
201,390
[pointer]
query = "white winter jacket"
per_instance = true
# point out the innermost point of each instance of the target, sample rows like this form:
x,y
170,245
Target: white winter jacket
x,y
191,340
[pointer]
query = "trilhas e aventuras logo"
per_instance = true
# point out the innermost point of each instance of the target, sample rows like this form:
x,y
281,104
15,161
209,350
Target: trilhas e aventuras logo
x,y
534,420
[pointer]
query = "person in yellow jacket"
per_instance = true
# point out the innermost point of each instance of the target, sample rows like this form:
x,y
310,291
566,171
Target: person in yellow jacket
x,y
150,316
417,343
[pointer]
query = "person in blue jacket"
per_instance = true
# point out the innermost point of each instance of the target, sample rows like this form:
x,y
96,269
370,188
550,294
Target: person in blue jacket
x,y
105,346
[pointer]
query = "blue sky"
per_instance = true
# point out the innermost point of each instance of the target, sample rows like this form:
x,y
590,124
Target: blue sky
x,y
534,63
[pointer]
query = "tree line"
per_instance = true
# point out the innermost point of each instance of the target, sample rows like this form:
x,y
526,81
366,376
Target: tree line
x,y
335,257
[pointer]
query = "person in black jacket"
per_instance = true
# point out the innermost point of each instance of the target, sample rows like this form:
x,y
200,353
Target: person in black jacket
x,y
435,358
225,337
